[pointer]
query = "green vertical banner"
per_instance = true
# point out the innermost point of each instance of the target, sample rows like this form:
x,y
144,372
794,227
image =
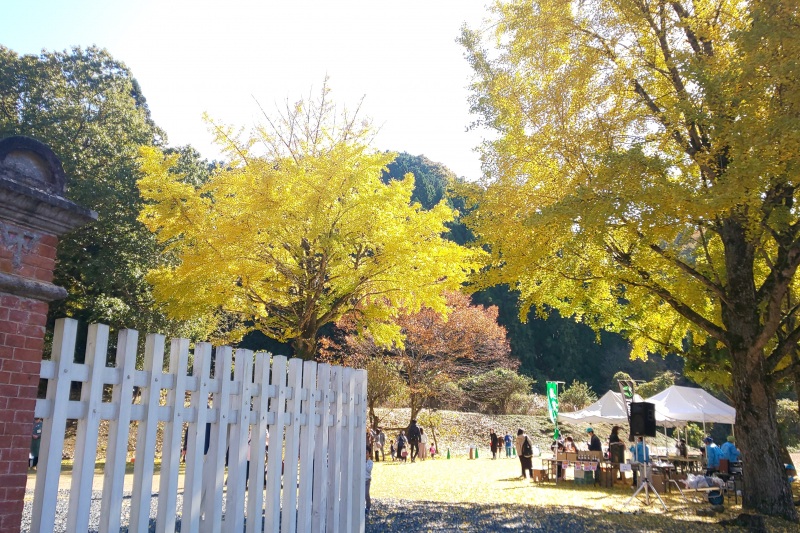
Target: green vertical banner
x,y
552,405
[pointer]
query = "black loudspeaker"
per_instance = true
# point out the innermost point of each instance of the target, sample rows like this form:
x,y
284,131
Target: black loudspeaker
x,y
643,419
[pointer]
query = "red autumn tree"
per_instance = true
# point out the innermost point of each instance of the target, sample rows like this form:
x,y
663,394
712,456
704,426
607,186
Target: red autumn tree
x,y
436,350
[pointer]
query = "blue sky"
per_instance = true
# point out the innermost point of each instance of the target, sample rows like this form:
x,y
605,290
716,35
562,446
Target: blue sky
x,y
201,56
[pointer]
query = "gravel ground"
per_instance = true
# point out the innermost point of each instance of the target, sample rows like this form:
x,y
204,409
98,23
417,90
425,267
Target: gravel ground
x,y
406,517
416,516
386,515
94,511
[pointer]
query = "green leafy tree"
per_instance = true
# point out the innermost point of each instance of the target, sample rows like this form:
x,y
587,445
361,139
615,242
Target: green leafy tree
x,y
89,109
789,423
384,385
431,179
619,376
660,383
642,179
576,397
493,391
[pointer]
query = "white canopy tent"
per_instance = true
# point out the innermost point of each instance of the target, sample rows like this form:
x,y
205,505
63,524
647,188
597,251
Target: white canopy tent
x,y
677,406
610,408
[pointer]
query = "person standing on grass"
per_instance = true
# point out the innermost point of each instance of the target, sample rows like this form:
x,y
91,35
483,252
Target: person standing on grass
x,y
594,441
401,445
641,455
413,439
423,444
381,444
713,455
524,452
392,450
729,450
493,443
616,449
507,442
368,480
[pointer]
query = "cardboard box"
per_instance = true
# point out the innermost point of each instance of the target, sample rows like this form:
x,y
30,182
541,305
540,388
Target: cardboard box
x,y
584,477
606,477
659,482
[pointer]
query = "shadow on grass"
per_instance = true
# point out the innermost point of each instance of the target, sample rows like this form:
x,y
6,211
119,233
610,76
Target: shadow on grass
x,y
410,516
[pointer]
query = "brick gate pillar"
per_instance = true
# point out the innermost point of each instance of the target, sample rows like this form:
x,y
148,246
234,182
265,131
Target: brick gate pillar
x,y
33,214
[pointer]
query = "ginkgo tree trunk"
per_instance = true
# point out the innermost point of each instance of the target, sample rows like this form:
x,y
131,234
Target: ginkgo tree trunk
x,y
297,230
643,179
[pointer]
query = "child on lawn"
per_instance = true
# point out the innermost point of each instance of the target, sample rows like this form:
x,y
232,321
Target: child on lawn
x,y
368,477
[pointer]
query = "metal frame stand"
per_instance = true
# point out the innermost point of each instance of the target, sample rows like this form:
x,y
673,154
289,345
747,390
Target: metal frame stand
x,y
647,486
645,482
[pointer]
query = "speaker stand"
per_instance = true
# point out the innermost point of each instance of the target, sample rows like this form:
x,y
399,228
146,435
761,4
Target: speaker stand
x,y
645,483
646,486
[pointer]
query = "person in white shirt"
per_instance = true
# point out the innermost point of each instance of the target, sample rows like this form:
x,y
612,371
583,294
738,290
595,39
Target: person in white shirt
x,y
423,444
368,477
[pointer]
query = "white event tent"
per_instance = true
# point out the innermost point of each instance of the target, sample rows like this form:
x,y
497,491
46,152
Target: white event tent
x,y
610,408
677,406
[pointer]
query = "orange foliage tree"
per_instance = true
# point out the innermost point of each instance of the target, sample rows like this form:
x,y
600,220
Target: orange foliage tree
x,y
436,351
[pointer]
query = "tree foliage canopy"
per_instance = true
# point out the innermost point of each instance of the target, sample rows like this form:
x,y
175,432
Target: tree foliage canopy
x,y
302,233
437,351
493,391
576,396
643,180
90,110
659,383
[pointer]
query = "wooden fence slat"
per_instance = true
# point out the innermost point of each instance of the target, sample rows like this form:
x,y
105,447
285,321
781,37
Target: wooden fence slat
x,y
88,428
335,450
277,406
292,448
150,395
219,439
237,455
171,446
308,443
52,445
258,439
359,500
321,469
346,518
195,451
117,450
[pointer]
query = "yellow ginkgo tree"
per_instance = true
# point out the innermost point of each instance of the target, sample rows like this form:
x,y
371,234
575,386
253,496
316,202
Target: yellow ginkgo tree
x,y
298,230
643,179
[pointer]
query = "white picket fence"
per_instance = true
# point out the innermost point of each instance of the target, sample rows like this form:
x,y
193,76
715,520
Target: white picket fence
x,y
314,413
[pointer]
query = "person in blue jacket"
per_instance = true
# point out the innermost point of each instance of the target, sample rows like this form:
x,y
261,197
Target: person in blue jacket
x,y
729,450
641,454
713,455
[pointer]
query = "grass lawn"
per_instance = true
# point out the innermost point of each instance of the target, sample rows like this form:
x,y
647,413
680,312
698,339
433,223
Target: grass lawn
x,y
495,488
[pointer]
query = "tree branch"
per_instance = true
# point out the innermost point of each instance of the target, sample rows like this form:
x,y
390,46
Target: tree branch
x,y
783,348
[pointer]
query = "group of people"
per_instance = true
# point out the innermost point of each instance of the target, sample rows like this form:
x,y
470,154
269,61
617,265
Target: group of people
x,y
715,454
412,443
567,444
497,443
